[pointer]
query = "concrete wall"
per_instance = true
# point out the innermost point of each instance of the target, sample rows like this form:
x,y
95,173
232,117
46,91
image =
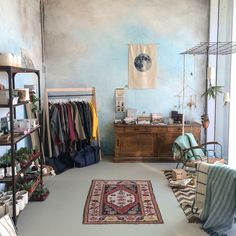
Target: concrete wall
x,y
20,28
86,43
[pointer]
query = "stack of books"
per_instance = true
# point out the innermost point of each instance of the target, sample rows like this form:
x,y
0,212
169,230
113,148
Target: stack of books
x,y
157,118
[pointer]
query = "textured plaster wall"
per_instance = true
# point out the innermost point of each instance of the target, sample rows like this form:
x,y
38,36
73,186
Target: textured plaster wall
x,y
86,43
20,28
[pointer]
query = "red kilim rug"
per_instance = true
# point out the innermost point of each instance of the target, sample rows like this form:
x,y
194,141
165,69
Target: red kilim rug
x,y
121,202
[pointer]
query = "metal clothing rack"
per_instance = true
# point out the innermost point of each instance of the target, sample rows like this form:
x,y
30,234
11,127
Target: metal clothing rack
x,y
80,92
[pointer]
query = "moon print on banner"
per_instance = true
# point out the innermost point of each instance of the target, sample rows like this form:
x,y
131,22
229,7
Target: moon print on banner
x,y
142,66
143,62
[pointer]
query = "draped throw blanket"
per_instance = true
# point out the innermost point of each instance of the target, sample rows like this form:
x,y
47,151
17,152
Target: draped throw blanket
x,y
184,142
220,203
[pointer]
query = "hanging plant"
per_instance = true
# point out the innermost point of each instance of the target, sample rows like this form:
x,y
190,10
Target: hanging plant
x,y
213,91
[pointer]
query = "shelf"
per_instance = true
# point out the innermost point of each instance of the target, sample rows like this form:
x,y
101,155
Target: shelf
x,y
23,169
19,138
212,48
15,105
14,69
6,180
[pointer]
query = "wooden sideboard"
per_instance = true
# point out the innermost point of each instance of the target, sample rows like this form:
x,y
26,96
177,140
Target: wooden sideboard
x,y
149,142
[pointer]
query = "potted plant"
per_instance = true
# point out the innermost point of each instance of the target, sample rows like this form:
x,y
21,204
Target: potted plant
x,y
213,91
210,93
28,186
40,193
23,155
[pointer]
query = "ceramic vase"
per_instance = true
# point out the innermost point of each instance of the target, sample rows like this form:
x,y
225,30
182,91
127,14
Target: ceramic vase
x,y
21,202
24,194
9,208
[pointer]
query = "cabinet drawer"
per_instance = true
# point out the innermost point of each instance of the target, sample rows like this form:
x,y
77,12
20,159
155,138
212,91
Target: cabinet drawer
x,y
138,129
119,129
174,129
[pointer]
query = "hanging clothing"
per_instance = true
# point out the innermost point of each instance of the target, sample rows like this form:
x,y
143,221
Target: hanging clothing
x,y
56,131
78,124
94,121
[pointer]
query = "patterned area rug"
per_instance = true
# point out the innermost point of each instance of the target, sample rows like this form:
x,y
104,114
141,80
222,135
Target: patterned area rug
x,y
121,202
185,197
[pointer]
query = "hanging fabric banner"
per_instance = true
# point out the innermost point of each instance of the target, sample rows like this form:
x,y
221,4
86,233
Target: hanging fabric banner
x,y
142,66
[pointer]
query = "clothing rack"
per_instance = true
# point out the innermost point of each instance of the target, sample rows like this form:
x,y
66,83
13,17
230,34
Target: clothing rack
x,y
70,95
80,92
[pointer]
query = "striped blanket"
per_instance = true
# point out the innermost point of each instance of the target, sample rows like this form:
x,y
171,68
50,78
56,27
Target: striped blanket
x,y
220,203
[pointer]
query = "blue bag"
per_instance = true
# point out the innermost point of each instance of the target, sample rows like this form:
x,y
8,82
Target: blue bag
x,y
86,156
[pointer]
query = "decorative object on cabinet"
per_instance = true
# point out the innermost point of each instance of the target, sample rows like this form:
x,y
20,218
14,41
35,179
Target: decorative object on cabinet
x,y
149,142
13,138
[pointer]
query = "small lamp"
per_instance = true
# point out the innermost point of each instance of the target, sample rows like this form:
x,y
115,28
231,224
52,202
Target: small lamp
x,y
226,98
211,75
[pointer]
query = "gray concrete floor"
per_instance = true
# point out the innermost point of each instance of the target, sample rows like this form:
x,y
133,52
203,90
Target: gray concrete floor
x,y
61,214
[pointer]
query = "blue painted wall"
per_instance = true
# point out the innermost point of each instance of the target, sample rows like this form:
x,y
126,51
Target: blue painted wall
x,y
20,28
87,45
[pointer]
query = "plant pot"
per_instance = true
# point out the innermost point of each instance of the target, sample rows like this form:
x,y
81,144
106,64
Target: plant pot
x,y
2,209
21,202
24,194
9,171
9,208
5,199
40,198
8,193
205,124
2,173
205,121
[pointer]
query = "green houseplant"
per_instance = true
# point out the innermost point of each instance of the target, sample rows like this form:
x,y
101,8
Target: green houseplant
x,y
211,93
